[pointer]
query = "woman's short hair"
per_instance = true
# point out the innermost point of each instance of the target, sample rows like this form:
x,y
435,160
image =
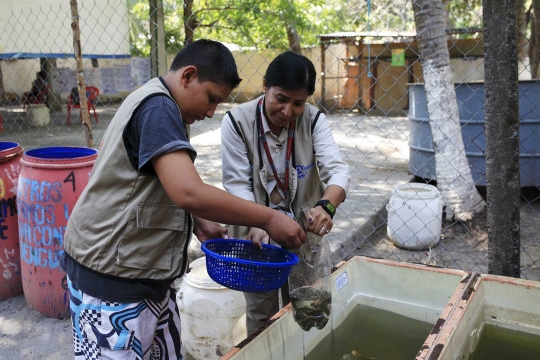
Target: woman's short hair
x,y
291,71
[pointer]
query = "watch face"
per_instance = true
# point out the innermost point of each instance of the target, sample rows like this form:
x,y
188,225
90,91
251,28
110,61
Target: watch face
x,y
330,207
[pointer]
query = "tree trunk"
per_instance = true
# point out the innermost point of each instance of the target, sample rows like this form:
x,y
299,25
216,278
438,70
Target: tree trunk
x,y
534,44
502,136
158,52
454,178
524,69
189,22
294,40
81,83
446,14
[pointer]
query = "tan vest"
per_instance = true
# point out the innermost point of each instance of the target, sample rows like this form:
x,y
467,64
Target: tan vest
x,y
124,224
306,187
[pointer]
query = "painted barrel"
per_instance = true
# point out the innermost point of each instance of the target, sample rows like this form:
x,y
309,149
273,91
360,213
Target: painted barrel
x,y
10,165
470,99
50,183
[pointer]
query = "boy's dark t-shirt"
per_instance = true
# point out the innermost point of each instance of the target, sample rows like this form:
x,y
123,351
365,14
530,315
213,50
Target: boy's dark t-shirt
x,y
156,128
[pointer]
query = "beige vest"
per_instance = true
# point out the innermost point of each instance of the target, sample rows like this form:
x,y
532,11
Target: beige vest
x,y
124,224
306,187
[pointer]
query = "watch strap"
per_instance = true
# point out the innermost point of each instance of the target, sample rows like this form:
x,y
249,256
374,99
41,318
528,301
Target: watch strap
x,y
324,204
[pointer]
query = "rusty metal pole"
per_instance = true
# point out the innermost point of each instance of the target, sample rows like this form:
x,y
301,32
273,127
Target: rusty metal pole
x,y
81,83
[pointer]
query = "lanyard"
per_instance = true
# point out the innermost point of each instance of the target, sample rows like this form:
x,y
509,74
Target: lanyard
x,y
290,140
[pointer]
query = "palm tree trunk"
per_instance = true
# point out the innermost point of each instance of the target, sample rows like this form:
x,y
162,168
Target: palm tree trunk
x,y
454,178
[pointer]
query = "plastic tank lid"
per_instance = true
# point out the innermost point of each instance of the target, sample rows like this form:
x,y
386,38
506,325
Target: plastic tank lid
x,y
6,145
417,191
60,152
198,276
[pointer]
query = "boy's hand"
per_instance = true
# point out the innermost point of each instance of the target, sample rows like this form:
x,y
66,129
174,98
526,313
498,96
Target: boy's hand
x,y
285,231
257,237
206,229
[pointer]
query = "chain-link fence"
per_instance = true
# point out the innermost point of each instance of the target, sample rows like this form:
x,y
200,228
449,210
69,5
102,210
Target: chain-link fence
x,y
371,85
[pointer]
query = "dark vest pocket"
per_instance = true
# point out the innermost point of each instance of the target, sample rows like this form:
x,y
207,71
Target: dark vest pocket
x,y
153,233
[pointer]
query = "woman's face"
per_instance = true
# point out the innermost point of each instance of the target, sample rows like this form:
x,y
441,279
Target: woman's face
x,y
282,106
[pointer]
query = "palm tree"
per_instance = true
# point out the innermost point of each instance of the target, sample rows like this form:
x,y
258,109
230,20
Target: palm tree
x,y
454,178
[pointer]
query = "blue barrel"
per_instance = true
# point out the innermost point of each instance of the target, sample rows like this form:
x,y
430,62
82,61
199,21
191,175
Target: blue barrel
x,y
470,99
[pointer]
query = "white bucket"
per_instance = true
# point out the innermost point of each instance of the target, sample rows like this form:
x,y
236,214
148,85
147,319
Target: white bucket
x,y
212,316
415,216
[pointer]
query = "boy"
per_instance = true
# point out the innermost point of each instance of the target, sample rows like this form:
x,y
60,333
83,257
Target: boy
x,y
127,237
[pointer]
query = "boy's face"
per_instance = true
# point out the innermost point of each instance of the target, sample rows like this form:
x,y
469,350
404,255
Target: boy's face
x,y
195,99
201,99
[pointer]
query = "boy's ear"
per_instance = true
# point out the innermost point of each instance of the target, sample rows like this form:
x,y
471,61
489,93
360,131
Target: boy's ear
x,y
189,74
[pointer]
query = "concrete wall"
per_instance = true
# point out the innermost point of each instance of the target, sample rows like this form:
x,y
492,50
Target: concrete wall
x,y
28,23
389,90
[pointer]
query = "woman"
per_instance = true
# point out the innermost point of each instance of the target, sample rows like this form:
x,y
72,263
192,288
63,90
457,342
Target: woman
x,y
278,150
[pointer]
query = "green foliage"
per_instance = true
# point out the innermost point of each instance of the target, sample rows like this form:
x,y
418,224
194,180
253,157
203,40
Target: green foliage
x,y
262,24
465,13
139,26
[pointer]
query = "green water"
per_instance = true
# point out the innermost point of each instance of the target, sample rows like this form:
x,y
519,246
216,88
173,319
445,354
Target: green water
x,y
369,333
498,343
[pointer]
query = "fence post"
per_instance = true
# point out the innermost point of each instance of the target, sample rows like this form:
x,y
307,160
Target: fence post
x,y
158,53
502,137
81,84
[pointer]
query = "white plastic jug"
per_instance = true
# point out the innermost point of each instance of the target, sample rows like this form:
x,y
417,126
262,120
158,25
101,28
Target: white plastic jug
x,y
415,216
213,317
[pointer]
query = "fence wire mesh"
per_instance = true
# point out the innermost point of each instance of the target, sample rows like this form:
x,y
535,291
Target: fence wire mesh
x,y
370,85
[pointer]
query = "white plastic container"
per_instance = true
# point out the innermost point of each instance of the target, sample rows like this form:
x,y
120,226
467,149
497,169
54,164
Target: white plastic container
x,y
415,216
212,316
38,115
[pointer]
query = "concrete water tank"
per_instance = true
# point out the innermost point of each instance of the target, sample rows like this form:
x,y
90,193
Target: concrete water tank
x,y
470,98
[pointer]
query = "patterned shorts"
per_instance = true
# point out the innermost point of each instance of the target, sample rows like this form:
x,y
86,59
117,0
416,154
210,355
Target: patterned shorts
x,y
118,331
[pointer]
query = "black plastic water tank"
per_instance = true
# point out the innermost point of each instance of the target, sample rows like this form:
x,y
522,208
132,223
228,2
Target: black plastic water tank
x,y
470,99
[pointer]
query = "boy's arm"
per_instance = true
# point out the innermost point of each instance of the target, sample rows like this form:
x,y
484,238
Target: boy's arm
x,y
186,189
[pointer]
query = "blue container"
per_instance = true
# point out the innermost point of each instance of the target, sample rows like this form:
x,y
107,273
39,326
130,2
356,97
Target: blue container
x,y
238,265
470,99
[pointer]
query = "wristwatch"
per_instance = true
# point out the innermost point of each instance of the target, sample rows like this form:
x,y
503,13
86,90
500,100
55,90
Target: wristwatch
x,y
327,206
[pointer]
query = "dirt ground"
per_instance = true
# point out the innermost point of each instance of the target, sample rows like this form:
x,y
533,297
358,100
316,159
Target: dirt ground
x,y
465,246
26,334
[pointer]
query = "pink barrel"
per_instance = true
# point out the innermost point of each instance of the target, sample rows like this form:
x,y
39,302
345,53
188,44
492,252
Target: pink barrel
x,y
50,182
10,263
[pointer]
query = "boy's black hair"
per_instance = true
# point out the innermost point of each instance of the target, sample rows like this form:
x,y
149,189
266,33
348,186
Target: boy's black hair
x,y
214,62
291,71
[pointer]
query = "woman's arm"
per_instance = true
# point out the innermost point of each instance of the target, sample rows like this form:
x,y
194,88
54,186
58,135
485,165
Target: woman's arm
x,y
334,174
332,169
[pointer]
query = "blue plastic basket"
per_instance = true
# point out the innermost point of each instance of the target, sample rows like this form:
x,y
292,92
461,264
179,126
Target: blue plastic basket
x,y
238,265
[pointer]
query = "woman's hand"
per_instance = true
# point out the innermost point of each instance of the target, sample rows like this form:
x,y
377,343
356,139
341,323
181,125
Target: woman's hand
x,y
206,229
319,222
258,237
